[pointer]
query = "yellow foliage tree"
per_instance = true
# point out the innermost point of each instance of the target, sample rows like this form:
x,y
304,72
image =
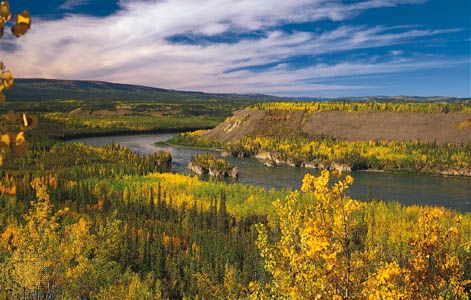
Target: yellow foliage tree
x,y
34,264
433,270
315,257
320,252
131,287
44,256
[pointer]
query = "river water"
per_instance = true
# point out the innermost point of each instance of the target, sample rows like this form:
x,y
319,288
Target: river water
x,y
451,192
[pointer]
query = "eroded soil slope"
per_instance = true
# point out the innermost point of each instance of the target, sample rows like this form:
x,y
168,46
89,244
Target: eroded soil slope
x,y
353,126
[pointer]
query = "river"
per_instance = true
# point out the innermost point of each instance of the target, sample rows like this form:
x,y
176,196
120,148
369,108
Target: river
x,y
451,192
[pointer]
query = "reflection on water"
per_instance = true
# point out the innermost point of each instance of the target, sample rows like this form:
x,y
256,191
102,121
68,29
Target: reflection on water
x,y
406,188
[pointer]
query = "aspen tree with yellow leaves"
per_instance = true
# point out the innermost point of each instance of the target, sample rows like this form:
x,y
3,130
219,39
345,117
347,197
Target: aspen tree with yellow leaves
x,y
47,258
320,252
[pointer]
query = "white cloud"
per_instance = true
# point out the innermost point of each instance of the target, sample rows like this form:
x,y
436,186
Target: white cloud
x,y
131,46
396,52
70,4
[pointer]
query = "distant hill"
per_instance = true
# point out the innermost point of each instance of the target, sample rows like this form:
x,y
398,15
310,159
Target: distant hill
x,y
52,89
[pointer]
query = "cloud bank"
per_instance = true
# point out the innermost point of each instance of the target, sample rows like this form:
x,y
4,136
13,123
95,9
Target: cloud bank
x,y
135,45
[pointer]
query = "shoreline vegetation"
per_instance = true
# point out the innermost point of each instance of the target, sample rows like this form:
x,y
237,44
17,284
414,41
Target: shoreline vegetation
x,y
169,143
224,153
327,154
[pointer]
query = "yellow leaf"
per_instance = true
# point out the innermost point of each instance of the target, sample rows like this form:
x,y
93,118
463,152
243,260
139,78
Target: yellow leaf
x,y
5,13
23,24
20,138
29,121
21,145
24,18
5,138
25,120
8,80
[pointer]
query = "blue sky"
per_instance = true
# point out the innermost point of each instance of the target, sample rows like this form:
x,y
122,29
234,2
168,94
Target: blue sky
x,y
292,48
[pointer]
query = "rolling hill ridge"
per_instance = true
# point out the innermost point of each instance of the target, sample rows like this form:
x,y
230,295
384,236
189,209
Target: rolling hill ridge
x,y
55,89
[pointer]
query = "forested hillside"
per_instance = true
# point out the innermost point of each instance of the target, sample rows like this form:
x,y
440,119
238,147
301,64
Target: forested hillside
x,y
38,89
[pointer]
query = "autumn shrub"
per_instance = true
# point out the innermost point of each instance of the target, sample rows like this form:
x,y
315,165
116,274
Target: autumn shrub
x,y
325,251
48,258
356,106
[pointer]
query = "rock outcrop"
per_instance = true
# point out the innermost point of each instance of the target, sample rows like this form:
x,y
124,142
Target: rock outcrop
x,y
275,159
456,172
206,164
